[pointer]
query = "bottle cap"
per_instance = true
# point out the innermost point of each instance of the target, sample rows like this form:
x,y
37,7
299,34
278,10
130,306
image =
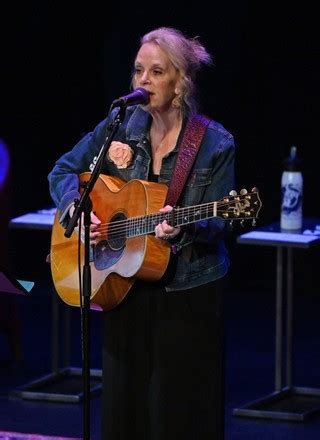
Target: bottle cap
x,y
292,163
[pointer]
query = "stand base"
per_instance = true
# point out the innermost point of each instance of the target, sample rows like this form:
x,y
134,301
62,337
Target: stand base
x,y
64,386
295,403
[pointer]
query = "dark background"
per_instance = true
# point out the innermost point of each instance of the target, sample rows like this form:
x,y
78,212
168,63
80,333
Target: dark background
x,y
62,67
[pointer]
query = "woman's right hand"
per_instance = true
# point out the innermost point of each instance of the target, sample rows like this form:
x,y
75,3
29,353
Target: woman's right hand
x,y
94,227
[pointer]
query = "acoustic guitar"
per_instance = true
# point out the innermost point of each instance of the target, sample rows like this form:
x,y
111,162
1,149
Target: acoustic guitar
x,y
128,249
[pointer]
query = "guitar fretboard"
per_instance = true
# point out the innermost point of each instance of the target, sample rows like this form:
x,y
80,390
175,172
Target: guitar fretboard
x,y
239,207
143,225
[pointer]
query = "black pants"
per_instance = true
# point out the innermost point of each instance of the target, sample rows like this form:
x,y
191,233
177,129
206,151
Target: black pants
x,y
163,365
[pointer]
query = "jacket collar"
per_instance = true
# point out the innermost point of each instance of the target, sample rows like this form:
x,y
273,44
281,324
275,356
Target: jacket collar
x,y
138,124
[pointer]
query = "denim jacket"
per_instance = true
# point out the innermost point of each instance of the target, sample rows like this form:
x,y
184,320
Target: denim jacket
x,y
202,255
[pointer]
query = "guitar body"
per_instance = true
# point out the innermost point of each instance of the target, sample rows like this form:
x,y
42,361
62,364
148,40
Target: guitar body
x,y
116,261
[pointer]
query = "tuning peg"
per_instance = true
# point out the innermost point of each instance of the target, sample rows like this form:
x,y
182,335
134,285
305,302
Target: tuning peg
x,y
233,193
243,192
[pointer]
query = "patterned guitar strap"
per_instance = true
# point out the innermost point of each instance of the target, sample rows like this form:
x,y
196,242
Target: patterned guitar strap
x,y
189,147
187,153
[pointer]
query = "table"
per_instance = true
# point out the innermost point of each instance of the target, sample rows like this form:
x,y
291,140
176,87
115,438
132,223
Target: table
x,y
62,384
287,402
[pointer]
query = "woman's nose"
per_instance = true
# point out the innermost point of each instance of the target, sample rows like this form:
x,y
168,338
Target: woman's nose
x,y
145,78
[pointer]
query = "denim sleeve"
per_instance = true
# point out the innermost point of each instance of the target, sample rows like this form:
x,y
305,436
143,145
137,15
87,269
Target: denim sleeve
x,y
222,182
205,232
63,178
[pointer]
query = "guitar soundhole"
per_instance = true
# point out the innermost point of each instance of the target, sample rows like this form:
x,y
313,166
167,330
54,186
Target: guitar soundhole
x,y
108,252
116,235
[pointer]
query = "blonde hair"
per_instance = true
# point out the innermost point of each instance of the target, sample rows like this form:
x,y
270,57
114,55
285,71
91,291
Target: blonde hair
x,y
187,55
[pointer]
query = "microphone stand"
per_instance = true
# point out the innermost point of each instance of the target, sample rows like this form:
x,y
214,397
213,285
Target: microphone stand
x,y
84,205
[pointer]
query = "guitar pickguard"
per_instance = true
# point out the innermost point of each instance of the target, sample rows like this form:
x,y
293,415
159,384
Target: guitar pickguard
x,y
104,256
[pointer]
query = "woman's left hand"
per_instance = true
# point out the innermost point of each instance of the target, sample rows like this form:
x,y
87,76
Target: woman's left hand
x,y
164,231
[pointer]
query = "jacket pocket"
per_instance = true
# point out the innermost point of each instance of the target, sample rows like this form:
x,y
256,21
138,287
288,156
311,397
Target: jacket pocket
x,y
199,180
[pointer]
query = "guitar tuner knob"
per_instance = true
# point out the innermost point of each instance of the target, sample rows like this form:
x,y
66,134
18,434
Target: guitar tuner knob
x,y
233,192
243,192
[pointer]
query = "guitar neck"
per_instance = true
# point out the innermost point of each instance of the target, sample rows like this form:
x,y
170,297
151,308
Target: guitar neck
x,y
177,217
236,207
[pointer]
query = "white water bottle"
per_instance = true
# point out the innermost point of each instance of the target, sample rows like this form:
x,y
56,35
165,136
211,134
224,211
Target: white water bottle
x,y
292,192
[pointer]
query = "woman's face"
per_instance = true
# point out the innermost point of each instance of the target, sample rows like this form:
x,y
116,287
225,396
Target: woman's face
x,y
155,72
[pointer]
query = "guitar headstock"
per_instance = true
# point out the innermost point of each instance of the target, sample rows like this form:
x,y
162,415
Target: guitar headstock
x,y
243,206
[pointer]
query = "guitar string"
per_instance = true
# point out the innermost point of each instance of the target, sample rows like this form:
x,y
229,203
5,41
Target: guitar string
x,y
119,228
154,219
179,214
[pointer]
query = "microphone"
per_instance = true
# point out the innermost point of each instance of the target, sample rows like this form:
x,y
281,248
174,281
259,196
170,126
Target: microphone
x,y
138,96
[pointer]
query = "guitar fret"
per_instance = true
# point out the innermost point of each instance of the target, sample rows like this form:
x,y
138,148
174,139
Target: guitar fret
x,y
150,223
193,214
129,227
138,227
142,225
